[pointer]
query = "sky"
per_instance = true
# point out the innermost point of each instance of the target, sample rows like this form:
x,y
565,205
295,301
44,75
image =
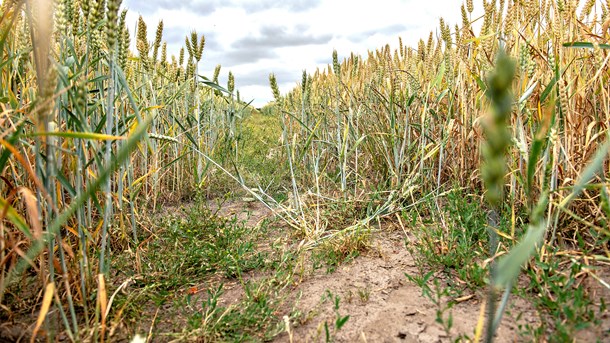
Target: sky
x,y
252,38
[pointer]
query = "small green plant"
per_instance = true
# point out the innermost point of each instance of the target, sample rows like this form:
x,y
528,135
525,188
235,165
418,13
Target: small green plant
x,y
339,319
250,319
209,314
253,316
421,281
561,299
444,317
364,294
331,257
191,246
340,249
457,247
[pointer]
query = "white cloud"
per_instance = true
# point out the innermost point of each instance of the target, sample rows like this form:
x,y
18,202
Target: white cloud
x,y
255,38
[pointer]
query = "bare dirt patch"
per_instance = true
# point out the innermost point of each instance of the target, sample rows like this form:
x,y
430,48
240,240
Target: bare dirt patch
x,y
251,211
383,305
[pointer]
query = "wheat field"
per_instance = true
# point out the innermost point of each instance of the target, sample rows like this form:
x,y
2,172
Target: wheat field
x,y
511,108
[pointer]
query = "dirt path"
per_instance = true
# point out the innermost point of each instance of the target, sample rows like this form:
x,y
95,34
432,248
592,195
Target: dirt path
x,y
383,305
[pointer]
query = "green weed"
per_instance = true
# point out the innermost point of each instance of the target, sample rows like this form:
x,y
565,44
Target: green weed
x,y
250,319
189,247
455,245
203,243
561,299
340,249
340,320
437,296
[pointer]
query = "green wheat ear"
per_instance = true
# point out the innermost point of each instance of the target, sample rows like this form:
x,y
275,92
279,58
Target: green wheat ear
x,y
163,59
181,57
493,170
304,82
274,88
123,40
142,42
231,83
199,50
111,25
498,137
157,43
465,20
336,66
61,17
215,78
216,73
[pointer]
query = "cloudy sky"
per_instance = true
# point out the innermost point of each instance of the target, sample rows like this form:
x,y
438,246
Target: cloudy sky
x,y
253,38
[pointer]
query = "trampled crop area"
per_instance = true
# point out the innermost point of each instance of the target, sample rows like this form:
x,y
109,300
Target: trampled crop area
x,y
456,190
